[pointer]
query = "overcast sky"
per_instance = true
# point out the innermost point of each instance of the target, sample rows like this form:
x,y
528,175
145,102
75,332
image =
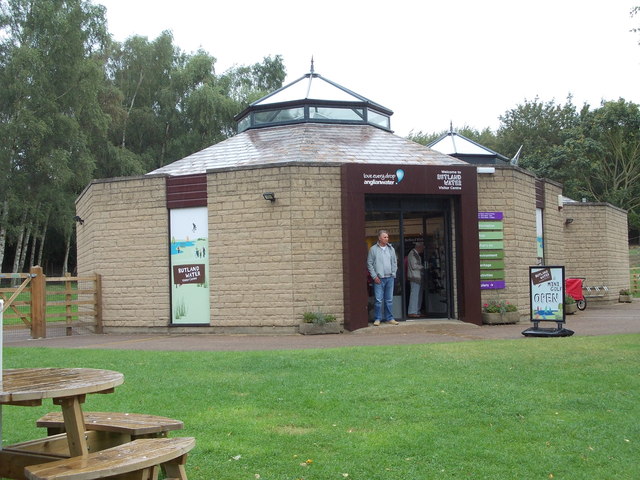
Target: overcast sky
x,y
431,62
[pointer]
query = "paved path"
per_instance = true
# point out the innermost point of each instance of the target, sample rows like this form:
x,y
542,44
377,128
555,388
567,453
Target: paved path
x,y
595,320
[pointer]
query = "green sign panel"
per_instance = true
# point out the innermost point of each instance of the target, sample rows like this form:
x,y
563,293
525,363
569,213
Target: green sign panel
x,y
491,264
496,245
490,225
491,235
492,275
491,254
491,243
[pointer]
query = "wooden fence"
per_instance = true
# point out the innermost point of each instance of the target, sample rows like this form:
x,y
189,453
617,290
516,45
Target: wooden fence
x,y
635,280
37,301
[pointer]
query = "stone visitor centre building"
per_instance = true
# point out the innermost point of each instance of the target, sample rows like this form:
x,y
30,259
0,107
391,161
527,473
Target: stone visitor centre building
x,y
247,235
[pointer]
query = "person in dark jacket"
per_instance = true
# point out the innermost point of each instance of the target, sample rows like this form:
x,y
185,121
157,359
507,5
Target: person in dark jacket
x,y
415,275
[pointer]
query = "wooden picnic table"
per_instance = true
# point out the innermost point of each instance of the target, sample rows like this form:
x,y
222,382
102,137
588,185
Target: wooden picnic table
x,y
68,388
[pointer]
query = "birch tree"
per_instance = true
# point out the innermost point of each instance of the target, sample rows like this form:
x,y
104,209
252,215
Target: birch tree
x,y
51,68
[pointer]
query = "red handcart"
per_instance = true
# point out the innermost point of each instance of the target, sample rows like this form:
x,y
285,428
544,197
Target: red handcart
x,y
573,287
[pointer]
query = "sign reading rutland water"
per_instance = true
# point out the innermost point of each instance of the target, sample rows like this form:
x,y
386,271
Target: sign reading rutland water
x,y
189,266
449,180
491,236
183,274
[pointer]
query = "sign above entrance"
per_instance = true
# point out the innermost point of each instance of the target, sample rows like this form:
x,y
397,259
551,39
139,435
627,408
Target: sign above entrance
x,y
412,179
383,178
422,182
449,180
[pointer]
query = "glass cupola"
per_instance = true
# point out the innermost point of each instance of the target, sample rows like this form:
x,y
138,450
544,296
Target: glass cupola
x,y
313,98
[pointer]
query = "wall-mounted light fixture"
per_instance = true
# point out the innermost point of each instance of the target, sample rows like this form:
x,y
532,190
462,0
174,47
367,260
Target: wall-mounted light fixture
x,y
568,221
269,196
79,220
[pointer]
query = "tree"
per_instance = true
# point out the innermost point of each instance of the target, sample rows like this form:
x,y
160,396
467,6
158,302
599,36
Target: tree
x,y
607,156
174,104
76,106
51,54
245,84
542,129
484,137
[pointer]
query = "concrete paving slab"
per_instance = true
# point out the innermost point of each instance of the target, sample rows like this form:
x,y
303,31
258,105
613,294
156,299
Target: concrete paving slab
x,y
621,318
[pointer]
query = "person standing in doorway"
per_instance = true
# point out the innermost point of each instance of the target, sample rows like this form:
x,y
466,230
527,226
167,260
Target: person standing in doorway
x,y
382,264
415,274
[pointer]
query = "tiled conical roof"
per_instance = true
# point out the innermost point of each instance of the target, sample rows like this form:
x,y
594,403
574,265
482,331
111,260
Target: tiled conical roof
x,y
313,98
308,143
334,126
457,145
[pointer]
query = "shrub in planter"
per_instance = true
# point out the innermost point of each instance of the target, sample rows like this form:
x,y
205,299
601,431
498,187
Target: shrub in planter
x,y
570,305
314,323
499,311
318,318
625,296
498,306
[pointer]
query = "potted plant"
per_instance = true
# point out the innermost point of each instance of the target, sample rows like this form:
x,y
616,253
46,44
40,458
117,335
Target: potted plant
x,y
570,305
316,323
625,296
498,312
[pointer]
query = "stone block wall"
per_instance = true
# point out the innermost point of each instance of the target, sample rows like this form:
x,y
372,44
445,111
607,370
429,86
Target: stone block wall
x,y
512,191
270,262
596,246
125,239
553,221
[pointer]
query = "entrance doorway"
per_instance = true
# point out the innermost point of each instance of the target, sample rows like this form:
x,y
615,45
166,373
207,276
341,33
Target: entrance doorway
x,y
410,219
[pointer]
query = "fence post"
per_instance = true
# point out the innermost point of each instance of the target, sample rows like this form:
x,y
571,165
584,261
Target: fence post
x,y
67,308
98,303
38,303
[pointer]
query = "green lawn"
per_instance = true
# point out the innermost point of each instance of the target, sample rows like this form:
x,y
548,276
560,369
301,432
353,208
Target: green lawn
x,y
562,408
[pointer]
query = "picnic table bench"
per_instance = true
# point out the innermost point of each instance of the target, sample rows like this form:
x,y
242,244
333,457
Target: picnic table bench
x,y
135,425
101,447
136,460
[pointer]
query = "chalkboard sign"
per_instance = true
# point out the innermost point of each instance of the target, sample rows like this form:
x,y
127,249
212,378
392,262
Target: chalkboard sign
x,y
546,287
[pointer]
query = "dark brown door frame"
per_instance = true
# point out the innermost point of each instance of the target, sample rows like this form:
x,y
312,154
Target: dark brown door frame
x,y
458,182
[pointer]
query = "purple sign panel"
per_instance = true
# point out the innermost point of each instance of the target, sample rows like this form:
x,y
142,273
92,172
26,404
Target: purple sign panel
x,y
492,285
490,216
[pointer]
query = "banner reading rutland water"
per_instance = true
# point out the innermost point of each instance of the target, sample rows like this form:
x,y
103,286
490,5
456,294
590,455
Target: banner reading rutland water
x,y
189,266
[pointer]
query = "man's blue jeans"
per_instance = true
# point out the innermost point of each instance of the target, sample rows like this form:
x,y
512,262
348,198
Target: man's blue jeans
x,y
383,293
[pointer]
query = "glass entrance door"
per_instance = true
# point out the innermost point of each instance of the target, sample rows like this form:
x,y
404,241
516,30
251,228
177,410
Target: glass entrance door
x,y
437,292
412,219
391,222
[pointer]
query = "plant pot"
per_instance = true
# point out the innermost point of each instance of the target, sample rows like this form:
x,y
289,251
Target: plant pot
x,y
625,298
319,328
500,318
570,308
